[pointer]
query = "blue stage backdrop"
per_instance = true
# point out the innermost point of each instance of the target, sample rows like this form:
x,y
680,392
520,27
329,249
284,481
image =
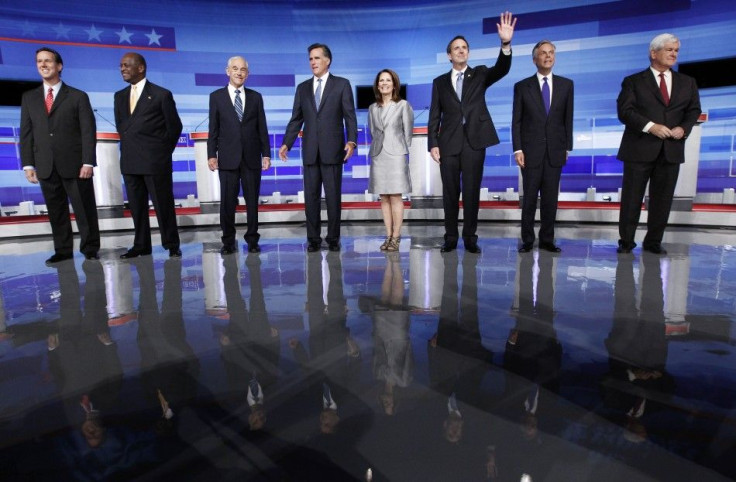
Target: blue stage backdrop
x,y
187,43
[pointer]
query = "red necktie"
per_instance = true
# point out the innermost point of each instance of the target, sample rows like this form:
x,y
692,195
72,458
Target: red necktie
x,y
49,100
663,88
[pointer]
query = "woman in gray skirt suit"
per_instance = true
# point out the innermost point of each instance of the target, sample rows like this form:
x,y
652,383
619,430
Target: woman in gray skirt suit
x,y
390,121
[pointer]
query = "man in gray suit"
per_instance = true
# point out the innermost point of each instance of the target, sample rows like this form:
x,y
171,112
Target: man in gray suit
x,y
57,148
324,105
541,128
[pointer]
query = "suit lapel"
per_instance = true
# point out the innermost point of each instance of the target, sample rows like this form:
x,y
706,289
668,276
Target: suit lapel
x,y
144,100
653,86
248,104
63,93
536,94
328,87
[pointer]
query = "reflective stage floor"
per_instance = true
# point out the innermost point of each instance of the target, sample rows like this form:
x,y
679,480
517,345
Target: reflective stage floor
x,y
417,365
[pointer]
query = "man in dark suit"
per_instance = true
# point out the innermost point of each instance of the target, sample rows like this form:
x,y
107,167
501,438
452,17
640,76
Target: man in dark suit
x,y
324,106
459,110
149,128
57,148
658,108
541,129
238,146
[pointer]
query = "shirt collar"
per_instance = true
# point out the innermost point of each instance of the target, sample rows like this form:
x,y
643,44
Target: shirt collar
x,y
56,87
541,77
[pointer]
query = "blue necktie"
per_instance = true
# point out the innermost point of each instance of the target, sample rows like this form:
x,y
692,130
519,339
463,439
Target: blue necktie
x,y
253,386
545,94
459,85
238,106
318,93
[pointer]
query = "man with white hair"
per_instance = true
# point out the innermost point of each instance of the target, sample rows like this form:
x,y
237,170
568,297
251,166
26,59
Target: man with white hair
x,y
238,147
658,108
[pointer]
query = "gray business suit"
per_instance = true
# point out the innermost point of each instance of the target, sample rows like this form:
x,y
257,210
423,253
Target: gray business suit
x,y
323,142
391,129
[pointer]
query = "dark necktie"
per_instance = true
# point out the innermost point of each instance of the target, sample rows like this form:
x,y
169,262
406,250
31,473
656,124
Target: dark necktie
x,y
545,94
238,105
663,88
49,100
318,93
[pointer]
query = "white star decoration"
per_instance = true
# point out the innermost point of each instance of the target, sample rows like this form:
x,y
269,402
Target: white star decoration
x,y
124,36
153,37
93,33
28,29
62,31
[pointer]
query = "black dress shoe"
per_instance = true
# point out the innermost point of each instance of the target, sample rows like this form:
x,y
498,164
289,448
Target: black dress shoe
x,y
133,253
312,247
254,248
175,253
472,248
57,258
334,247
228,249
655,249
623,250
447,247
92,256
525,248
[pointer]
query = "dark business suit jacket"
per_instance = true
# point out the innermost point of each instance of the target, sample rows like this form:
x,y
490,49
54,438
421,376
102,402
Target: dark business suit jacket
x,y
446,112
533,130
239,147
149,135
323,130
232,141
640,101
64,138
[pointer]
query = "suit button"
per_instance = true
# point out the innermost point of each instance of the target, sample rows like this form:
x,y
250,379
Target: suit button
x,y
51,134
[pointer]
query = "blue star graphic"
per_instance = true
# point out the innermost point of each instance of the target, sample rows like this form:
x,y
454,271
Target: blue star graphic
x,y
124,36
153,37
62,31
93,33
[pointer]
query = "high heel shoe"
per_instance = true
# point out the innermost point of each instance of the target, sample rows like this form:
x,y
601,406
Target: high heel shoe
x,y
385,244
393,244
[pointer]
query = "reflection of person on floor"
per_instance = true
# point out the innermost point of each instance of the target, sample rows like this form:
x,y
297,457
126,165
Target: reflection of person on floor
x,y
637,346
169,367
457,358
333,353
393,359
533,354
250,345
82,355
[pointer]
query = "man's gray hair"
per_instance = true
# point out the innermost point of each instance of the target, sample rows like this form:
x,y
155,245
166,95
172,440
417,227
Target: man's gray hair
x,y
658,42
237,57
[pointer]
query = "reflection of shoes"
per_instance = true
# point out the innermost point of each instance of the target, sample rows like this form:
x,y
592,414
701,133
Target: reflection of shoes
x,y
313,247
134,253
384,246
254,248
472,248
447,247
175,253
228,249
551,247
525,248
57,258
624,247
393,244
655,248
334,246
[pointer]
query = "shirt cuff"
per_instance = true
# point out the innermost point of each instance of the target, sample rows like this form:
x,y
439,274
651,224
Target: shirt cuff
x,y
29,168
647,127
